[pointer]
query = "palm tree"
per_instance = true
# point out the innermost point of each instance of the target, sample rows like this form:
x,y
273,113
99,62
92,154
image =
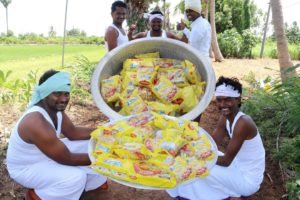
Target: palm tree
x,y
215,46
135,13
282,47
5,4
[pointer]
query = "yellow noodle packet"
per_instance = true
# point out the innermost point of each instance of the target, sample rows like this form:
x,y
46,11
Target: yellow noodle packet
x,y
162,108
165,90
189,99
133,104
154,175
191,72
148,55
111,88
181,170
132,150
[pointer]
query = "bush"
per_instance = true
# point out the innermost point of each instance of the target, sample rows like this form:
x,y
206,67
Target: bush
x,y
249,41
230,43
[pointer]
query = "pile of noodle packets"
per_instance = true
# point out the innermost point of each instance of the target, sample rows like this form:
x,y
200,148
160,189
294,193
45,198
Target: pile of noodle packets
x,y
150,83
152,150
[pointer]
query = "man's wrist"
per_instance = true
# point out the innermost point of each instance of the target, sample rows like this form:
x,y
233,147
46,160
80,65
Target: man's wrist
x,y
186,31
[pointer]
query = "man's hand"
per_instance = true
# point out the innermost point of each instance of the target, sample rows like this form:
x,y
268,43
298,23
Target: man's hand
x,y
132,27
180,25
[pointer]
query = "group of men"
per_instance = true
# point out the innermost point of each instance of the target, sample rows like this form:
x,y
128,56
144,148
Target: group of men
x,y
57,168
199,36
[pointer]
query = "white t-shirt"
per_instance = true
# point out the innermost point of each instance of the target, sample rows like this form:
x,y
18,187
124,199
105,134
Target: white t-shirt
x,y
200,35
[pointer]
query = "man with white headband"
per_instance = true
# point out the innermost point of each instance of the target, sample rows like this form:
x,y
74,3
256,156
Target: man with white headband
x,y
200,35
156,19
239,171
37,158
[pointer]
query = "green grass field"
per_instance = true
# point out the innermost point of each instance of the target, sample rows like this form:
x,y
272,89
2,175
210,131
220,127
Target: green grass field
x,y
21,59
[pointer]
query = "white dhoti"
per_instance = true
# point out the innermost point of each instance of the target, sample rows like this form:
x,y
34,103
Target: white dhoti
x,y
52,181
222,182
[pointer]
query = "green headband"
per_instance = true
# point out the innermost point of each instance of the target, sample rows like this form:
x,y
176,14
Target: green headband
x,y
59,82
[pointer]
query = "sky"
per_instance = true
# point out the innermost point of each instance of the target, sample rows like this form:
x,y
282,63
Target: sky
x,y
92,16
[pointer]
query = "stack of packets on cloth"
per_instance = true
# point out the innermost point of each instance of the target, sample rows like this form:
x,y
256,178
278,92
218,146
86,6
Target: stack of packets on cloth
x,y
149,83
152,150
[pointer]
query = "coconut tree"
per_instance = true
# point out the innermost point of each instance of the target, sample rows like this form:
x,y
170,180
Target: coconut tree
x,y
282,47
215,46
5,4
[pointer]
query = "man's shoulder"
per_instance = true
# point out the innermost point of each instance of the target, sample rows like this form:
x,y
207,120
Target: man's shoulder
x,y
246,121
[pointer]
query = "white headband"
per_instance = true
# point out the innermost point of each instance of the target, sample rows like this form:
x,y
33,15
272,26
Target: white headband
x,y
226,91
153,16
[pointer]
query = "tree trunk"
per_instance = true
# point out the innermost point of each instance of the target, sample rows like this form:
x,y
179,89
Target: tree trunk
x,y
135,13
282,46
215,46
206,9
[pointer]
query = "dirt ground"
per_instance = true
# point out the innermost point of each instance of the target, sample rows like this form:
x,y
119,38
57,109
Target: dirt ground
x,y
88,115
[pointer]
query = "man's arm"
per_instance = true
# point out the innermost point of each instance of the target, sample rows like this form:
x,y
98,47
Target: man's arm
x,y
130,35
136,36
111,36
35,129
175,37
73,132
243,130
220,133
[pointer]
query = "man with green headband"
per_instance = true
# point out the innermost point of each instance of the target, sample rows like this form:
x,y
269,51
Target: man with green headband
x,y
55,168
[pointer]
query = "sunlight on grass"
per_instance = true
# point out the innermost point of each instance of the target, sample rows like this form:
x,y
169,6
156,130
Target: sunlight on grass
x,y
21,59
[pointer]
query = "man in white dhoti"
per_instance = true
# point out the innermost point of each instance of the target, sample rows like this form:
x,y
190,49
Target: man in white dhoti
x,y
37,158
239,171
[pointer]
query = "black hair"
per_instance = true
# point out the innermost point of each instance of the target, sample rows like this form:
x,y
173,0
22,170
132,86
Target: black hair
x,y
234,82
156,12
47,75
118,4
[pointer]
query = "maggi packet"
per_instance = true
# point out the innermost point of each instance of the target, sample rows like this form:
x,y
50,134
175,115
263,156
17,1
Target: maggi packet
x,y
111,88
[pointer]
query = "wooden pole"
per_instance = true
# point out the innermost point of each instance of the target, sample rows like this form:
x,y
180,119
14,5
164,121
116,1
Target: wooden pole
x,y
64,40
265,32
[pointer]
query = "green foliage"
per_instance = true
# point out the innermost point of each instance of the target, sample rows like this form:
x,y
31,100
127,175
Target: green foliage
x,y
32,38
270,50
294,190
230,43
274,53
249,41
238,14
5,2
81,71
276,111
76,32
233,44
18,90
293,33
